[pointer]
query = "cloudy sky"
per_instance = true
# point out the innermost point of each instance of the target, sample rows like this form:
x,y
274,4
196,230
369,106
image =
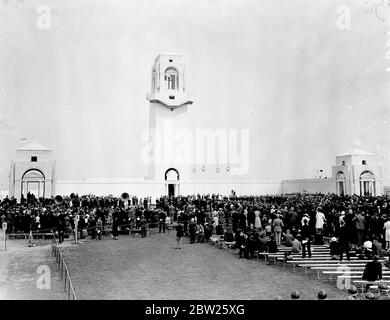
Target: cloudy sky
x,y
304,82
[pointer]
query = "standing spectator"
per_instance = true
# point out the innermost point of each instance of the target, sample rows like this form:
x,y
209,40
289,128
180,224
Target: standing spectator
x,y
344,241
207,232
200,233
168,223
192,230
243,247
334,248
257,220
306,239
161,218
278,225
293,218
99,228
115,227
81,226
60,228
360,227
144,227
179,235
320,221
386,226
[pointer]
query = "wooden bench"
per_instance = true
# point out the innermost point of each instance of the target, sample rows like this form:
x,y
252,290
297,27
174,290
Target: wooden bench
x,y
216,239
334,261
35,235
227,245
302,262
135,231
350,274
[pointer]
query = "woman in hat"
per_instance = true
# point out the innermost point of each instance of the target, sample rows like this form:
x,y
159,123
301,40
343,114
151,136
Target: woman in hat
x,y
334,248
305,218
257,220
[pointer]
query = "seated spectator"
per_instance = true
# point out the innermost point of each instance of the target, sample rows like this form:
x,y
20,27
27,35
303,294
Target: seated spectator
x,y
334,248
373,270
229,236
271,245
288,239
268,229
262,242
253,243
296,245
377,247
219,230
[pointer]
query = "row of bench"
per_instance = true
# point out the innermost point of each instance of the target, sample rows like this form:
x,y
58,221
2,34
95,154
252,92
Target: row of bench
x,y
321,263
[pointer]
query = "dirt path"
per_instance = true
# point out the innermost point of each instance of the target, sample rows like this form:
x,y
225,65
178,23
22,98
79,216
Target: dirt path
x,y
150,268
19,276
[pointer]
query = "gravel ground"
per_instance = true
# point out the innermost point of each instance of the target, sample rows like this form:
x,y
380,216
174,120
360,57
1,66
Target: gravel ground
x,y
151,268
18,272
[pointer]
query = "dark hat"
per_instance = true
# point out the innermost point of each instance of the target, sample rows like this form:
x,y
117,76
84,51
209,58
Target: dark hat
x,y
322,295
352,289
295,294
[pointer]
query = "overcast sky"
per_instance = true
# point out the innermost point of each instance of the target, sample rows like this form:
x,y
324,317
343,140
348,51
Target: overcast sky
x,y
305,89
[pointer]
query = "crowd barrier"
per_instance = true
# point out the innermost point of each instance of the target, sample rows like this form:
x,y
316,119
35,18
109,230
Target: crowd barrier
x,y
63,270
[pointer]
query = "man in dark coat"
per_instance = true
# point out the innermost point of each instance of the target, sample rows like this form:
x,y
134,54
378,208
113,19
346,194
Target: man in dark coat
x,y
235,219
373,270
144,226
306,239
179,235
60,228
344,241
161,218
192,230
115,226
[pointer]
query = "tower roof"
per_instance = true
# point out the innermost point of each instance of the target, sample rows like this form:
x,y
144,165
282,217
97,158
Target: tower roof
x,y
33,146
355,152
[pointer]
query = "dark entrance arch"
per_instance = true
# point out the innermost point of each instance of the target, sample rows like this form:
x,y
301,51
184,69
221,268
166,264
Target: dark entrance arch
x,y
33,181
172,182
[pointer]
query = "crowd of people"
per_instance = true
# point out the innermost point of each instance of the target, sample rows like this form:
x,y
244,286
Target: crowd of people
x,y
253,222
247,223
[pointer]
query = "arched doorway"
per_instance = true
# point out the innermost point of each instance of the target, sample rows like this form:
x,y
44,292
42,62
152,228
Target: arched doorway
x,y
33,181
172,182
340,183
367,184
